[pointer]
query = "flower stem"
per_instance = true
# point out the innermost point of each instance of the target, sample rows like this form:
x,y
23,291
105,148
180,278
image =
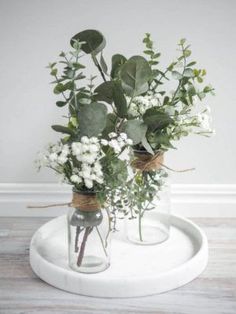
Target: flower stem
x,y
140,226
100,237
87,231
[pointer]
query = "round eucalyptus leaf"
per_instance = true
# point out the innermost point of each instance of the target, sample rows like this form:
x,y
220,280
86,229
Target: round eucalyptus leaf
x,y
134,75
135,130
155,119
110,125
104,92
93,40
92,119
117,61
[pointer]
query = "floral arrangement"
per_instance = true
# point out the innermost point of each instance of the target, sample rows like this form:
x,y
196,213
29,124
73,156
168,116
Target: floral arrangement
x,y
138,109
83,163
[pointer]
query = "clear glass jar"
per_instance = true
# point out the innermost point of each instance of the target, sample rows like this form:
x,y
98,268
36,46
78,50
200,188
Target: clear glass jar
x,y
88,238
149,222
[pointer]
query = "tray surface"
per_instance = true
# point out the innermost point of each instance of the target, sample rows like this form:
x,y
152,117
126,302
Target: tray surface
x,y
135,270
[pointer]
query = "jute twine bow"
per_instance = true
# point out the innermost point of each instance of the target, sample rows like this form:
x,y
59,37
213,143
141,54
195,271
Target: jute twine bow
x,y
85,202
148,162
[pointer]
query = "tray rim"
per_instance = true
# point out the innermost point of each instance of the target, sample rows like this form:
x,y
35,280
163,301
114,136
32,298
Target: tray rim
x,y
197,262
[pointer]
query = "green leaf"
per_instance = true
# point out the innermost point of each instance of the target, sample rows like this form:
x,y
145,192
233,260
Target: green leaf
x,y
69,86
176,75
166,100
92,119
187,53
188,73
156,55
163,139
147,146
135,74
79,98
135,130
191,63
207,89
61,103
104,92
155,119
62,129
53,72
93,41
59,88
199,79
119,99
110,124
78,65
149,52
182,41
153,62
116,62
103,64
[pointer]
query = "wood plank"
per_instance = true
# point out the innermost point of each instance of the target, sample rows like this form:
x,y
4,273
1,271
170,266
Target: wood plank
x,y
21,291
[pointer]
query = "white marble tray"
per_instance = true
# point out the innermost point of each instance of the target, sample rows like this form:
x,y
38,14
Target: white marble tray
x,y
135,270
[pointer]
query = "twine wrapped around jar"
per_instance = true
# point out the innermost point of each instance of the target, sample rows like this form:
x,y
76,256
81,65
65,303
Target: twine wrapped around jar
x,y
87,202
148,162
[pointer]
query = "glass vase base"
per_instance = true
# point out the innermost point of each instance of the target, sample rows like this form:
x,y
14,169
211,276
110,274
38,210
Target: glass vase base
x,y
148,236
91,264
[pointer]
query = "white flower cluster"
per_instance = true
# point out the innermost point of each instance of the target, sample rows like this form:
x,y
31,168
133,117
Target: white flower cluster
x,y
140,104
56,155
59,154
204,119
200,123
88,153
117,142
83,158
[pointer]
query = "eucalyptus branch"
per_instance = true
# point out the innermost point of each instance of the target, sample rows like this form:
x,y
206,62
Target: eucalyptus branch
x,y
181,80
63,94
163,75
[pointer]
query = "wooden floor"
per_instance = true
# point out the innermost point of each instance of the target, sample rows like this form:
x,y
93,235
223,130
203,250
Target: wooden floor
x,y
22,292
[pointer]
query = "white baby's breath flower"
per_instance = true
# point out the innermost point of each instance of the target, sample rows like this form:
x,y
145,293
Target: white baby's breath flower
x,y
76,148
89,158
84,140
65,149
129,141
115,145
208,110
62,159
204,121
93,148
97,166
75,179
125,156
112,135
93,140
123,136
53,157
86,174
84,148
88,183
154,102
99,180
86,167
104,142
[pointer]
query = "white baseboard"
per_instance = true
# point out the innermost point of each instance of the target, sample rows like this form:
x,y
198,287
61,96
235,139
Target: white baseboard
x,y
191,200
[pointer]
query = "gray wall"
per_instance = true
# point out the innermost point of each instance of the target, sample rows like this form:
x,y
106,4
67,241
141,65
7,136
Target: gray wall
x,y
33,32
